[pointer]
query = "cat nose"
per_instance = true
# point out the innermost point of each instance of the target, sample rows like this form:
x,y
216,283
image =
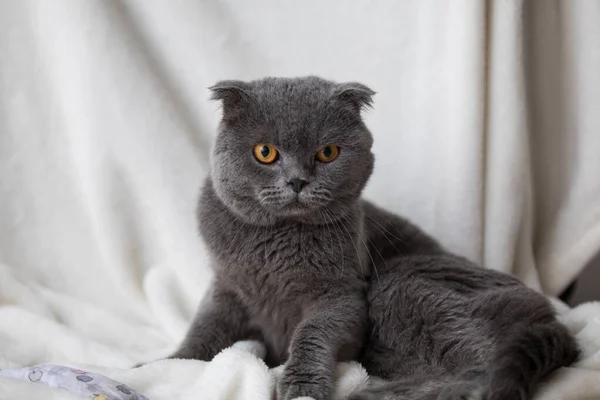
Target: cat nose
x,y
297,184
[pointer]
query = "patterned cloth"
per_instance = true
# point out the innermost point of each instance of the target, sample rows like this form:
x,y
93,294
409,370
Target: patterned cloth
x,y
94,386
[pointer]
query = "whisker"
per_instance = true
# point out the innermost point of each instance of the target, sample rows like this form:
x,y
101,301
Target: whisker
x,y
380,231
359,234
383,227
355,248
375,247
398,251
406,222
334,225
324,217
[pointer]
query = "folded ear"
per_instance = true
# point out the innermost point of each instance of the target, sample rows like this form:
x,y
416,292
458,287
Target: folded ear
x,y
355,95
234,95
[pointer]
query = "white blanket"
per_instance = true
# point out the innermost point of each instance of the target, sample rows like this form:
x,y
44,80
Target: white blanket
x,y
236,373
486,134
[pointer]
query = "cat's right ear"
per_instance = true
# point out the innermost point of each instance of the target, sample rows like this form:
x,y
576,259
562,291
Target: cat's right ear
x,y
234,95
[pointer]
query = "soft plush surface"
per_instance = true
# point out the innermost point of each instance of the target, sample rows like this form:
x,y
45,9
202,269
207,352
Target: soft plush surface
x,y
486,134
236,373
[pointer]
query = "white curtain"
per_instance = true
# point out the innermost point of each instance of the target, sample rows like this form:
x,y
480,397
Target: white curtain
x,y
486,125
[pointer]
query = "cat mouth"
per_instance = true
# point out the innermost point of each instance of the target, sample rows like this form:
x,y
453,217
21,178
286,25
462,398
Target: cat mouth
x,y
292,204
295,207
294,212
296,204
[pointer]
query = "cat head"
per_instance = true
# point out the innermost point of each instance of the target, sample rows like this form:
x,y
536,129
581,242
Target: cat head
x,y
291,148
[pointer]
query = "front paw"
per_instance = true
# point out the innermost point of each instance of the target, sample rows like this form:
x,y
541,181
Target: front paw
x,y
303,382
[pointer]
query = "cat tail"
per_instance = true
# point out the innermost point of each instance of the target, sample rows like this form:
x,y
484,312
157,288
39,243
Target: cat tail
x,y
404,389
531,353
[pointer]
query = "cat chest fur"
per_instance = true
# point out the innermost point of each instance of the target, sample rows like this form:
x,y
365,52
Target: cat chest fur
x,y
287,261
279,272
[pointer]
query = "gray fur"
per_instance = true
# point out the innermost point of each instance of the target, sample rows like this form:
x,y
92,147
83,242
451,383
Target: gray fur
x,y
295,271
444,328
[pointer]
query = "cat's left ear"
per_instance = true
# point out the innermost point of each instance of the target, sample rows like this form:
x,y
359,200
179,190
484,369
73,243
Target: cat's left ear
x,y
355,95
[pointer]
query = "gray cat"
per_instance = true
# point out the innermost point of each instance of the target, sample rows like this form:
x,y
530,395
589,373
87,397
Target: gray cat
x,y
319,275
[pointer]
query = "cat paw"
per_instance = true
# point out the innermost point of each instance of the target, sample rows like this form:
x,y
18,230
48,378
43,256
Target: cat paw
x,y
293,385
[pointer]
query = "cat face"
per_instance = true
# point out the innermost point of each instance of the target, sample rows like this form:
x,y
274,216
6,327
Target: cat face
x,y
291,148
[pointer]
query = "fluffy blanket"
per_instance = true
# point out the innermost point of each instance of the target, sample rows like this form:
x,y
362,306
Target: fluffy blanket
x,y
236,373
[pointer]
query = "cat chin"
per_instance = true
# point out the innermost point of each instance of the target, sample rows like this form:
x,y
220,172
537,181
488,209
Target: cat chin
x,y
295,210
300,212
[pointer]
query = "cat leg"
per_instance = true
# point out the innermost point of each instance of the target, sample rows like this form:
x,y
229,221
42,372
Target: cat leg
x,y
338,321
221,321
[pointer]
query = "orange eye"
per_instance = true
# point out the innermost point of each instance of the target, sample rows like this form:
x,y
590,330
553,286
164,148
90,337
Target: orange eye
x,y
265,153
328,153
